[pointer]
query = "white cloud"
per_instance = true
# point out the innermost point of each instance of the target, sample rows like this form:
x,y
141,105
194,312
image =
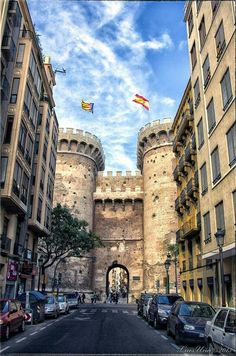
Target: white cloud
x,y
182,45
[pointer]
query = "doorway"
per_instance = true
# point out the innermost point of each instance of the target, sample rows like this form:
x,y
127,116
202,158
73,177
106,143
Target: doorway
x,y
117,282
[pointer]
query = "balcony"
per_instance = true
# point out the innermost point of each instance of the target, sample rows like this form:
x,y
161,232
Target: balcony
x,y
16,188
199,220
190,154
178,236
192,189
194,142
190,228
8,48
5,244
190,263
181,164
184,198
177,145
178,206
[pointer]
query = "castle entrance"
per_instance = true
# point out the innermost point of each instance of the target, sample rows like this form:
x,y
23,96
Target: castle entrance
x,y
117,283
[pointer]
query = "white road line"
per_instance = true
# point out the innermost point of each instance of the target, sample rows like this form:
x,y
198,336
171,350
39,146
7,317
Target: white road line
x,y
36,332
114,311
125,311
174,346
23,338
164,337
134,312
7,347
104,311
49,324
43,328
157,332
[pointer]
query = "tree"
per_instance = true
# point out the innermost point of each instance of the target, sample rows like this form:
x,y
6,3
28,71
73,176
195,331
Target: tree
x,y
69,237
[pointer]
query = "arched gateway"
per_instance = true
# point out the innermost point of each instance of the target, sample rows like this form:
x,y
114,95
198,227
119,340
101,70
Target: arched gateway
x,y
117,281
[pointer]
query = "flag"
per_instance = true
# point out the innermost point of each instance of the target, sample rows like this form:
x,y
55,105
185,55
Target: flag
x,y
141,100
87,106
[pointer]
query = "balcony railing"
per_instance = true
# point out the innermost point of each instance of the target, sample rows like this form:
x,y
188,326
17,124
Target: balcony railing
x,y
190,228
176,144
194,142
192,189
183,197
181,164
178,206
5,243
190,154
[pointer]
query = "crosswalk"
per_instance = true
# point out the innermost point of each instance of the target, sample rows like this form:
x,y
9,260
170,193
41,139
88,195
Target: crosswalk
x,y
112,311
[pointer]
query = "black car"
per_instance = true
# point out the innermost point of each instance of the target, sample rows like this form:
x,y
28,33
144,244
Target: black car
x,y
142,300
187,321
160,308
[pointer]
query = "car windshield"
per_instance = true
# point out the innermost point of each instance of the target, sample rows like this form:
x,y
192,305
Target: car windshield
x,y
4,306
168,299
50,300
61,298
197,310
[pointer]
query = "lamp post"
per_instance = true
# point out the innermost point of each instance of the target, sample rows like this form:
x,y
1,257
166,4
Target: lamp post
x,y
40,262
219,235
167,266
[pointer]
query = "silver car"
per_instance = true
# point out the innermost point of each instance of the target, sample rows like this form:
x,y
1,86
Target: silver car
x,y
52,306
220,332
63,304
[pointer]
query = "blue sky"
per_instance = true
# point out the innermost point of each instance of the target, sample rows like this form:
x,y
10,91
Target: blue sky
x,y
111,51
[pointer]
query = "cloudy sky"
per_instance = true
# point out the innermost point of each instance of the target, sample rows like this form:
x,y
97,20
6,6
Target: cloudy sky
x,y
112,51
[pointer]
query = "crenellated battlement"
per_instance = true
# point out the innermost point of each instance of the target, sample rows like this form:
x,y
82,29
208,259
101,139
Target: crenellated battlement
x,y
153,135
119,174
81,142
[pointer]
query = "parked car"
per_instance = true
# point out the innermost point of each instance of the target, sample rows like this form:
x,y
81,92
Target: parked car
x,y
72,299
146,307
63,304
160,308
220,332
187,320
141,301
52,306
12,317
36,304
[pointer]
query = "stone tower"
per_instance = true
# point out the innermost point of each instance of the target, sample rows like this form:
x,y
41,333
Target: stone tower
x,y
155,159
79,157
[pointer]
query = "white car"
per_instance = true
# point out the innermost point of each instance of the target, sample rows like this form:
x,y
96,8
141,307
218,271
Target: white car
x,y
220,332
52,307
146,307
63,304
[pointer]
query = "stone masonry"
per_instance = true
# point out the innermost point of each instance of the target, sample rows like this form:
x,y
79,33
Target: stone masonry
x,y
132,213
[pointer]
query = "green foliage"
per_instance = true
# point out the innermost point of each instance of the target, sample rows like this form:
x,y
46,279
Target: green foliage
x,y
69,237
173,249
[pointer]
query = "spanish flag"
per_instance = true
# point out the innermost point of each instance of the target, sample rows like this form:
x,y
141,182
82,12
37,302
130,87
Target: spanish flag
x,y
87,106
142,101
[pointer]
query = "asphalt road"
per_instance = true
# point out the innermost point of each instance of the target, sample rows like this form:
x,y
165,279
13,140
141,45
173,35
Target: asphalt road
x,y
93,329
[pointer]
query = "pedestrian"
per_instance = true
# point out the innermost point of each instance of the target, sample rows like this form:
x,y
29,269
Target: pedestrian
x,y
83,298
116,297
79,299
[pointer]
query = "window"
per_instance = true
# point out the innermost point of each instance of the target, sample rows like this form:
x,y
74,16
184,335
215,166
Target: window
x,y
190,23
215,162
27,100
231,140
34,173
22,138
32,65
197,93
200,134
204,178
48,217
14,90
48,122
4,161
33,114
20,55
220,220
7,138
39,211
214,6
17,179
42,178
207,227
202,32
211,116
193,56
206,71
31,205
37,143
5,226
40,115
226,89
220,41
29,150
24,191
45,147
220,319
234,204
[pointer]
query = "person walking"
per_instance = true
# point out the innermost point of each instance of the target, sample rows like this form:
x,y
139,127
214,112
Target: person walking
x,y
83,298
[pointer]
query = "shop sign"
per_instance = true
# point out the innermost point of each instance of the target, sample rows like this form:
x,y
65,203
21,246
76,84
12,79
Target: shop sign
x,y
12,269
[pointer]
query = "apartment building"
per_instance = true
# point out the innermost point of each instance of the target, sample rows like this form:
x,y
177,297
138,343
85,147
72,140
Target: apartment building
x,y
211,43
188,236
28,152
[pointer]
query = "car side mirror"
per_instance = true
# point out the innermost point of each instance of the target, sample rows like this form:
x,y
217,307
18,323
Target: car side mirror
x,y
230,329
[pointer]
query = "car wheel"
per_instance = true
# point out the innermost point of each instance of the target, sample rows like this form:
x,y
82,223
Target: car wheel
x,y
168,333
7,333
22,327
177,337
156,323
55,316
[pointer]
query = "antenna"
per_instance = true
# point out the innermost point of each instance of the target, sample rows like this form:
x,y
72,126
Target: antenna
x,y
62,70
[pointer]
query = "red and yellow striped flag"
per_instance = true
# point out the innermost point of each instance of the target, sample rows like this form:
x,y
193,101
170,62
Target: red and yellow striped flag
x,y
142,101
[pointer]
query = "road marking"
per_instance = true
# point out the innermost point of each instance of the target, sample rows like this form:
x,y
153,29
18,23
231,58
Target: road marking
x,y
49,324
175,347
43,327
157,332
164,337
36,332
82,319
125,311
7,347
23,338
114,311
104,311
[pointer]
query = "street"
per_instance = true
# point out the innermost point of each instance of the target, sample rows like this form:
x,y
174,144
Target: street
x,y
94,329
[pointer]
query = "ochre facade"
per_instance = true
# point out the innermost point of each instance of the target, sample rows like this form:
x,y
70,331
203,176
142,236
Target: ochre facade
x,y
133,213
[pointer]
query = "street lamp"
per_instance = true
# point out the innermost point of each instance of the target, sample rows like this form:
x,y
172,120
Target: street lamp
x,y
167,266
40,262
219,235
